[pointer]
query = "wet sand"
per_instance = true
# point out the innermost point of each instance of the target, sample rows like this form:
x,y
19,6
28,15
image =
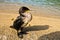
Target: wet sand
x,y
43,22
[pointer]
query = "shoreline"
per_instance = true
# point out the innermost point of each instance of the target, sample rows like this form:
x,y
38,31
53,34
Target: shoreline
x,y
36,10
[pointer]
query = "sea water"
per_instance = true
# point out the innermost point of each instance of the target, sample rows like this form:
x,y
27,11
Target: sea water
x,y
35,2
48,4
55,3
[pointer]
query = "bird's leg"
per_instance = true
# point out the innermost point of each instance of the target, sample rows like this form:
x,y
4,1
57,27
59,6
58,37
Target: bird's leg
x,y
19,33
22,29
29,25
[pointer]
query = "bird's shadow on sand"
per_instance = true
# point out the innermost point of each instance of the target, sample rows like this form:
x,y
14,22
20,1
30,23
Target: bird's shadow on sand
x,y
33,28
36,28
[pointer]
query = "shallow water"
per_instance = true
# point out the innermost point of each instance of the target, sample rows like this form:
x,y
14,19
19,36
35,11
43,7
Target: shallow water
x,y
43,3
35,2
50,5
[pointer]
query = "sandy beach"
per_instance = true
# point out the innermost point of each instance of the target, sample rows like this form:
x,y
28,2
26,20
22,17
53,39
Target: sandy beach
x,y
43,23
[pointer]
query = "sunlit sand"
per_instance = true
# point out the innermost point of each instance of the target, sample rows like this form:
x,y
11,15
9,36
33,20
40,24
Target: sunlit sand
x,y
47,23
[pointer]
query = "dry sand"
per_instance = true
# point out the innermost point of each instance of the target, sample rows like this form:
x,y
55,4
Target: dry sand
x,y
39,26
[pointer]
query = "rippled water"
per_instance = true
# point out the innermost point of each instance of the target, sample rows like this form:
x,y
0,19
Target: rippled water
x,y
35,2
52,5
